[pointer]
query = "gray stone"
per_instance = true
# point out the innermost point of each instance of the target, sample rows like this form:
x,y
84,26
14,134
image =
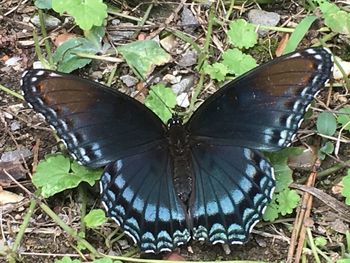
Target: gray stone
x,y
261,17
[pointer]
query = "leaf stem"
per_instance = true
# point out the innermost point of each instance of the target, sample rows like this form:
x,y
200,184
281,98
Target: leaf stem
x,y
11,92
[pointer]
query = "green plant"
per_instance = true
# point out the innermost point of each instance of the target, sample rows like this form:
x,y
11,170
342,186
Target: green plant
x,y
285,199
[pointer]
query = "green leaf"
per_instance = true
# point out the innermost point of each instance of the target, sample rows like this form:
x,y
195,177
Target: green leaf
x,y
327,148
43,4
298,34
56,174
66,57
86,13
216,71
346,187
271,212
242,34
142,56
237,62
326,123
287,200
344,118
279,161
95,218
320,241
160,100
67,260
336,19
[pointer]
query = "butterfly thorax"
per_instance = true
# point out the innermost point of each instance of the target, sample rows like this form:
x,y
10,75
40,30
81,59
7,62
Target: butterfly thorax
x,y
178,140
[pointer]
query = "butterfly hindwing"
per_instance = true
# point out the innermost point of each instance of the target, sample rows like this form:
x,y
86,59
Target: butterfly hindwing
x,y
97,124
233,185
264,108
138,193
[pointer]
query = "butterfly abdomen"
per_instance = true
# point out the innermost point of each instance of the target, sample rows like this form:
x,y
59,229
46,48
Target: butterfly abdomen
x,y
181,159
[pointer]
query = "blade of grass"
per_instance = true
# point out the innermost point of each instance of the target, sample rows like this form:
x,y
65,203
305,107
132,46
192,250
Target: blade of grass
x,y
299,33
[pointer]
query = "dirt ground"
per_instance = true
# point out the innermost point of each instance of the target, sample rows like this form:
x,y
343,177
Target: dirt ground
x,y
21,128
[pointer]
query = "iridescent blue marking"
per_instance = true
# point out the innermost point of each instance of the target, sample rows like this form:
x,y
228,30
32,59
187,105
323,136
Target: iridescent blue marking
x,y
212,208
226,205
128,194
119,181
238,196
150,213
138,204
164,214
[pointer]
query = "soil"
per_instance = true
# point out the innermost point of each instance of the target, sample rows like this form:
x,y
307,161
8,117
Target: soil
x,y
44,240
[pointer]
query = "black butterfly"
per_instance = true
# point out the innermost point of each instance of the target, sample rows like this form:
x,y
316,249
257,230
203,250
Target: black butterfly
x,y
205,179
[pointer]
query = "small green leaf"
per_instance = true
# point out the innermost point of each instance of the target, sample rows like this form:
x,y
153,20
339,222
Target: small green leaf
x,y
67,260
344,118
95,218
237,62
299,33
320,241
346,187
142,56
242,34
43,4
271,212
326,124
65,55
287,200
160,100
327,148
56,174
216,71
86,13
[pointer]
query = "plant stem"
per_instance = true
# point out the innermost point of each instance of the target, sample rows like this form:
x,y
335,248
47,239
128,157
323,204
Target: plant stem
x,y
46,42
69,230
312,245
203,57
24,225
11,92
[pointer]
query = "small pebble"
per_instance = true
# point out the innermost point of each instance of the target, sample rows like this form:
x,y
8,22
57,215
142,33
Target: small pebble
x,y
129,81
261,17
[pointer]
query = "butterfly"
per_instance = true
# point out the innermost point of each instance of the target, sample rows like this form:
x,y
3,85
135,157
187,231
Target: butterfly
x,y
206,179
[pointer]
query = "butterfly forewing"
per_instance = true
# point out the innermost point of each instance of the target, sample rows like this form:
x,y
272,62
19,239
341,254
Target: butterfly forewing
x,y
264,108
97,124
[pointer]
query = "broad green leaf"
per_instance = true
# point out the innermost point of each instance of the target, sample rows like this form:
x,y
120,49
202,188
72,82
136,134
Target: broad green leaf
x,y
161,100
287,200
242,34
326,124
95,218
216,71
86,13
346,187
298,34
344,118
237,62
279,162
320,241
66,54
142,56
56,174
43,4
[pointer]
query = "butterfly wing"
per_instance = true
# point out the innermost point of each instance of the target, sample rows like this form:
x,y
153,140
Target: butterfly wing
x,y
264,108
233,185
138,193
97,124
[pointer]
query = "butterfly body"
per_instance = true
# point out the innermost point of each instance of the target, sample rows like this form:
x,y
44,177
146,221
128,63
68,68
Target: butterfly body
x,y
205,179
